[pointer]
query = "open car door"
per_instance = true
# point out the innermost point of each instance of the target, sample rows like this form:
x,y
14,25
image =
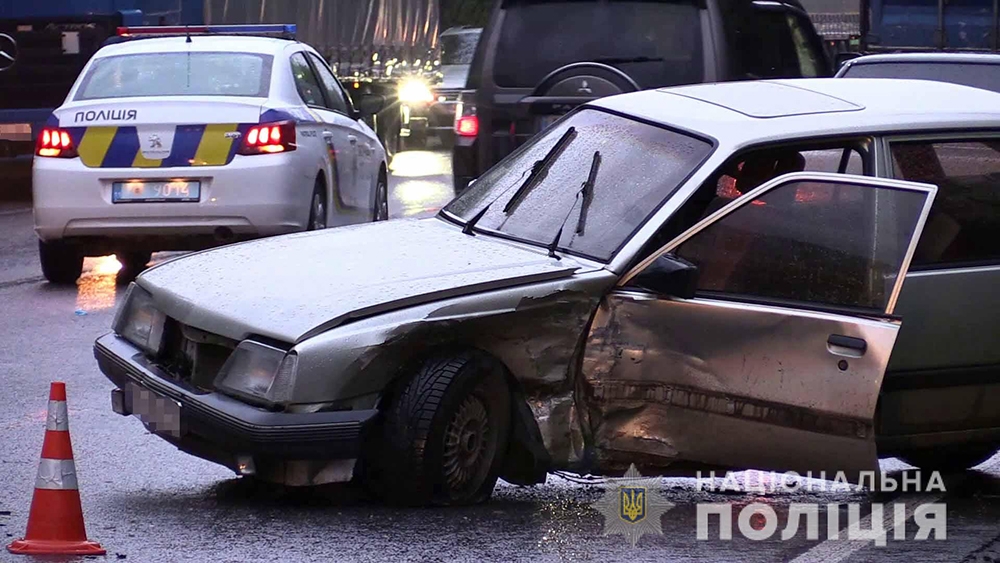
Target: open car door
x,y
759,337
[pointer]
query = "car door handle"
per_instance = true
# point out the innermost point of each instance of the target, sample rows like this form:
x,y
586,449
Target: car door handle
x,y
846,345
327,135
352,139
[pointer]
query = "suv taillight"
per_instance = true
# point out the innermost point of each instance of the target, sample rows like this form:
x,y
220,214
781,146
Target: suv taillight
x,y
466,121
268,138
55,142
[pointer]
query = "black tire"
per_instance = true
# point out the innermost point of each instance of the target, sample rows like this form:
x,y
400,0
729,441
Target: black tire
x,y
381,211
133,263
61,263
317,207
949,459
445,433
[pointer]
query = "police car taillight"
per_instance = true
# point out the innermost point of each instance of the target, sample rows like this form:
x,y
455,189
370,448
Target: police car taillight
x,y
268,138
55,142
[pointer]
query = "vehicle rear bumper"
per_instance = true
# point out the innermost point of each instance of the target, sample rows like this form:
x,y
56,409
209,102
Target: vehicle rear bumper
x,y
224,430
251,196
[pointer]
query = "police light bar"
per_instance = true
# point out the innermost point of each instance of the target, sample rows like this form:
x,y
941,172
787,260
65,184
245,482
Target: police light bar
x,y
286,30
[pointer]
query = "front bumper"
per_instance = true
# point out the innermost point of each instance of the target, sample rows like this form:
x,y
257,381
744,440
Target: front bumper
x,y
224,430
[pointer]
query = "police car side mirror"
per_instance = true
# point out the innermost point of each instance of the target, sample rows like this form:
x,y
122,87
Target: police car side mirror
x,y
370,104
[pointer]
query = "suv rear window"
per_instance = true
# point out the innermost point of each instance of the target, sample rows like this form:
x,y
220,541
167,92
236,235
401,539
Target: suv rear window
x,y
985,76
177,74
656,43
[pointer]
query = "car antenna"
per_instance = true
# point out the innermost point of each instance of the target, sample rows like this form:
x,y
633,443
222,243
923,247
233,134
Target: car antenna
x,y
187,31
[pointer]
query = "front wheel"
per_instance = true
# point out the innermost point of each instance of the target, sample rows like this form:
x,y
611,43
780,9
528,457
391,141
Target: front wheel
x,y
445,433
61,263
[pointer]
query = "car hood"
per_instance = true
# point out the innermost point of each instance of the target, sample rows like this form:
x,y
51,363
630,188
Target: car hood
x,y
294,286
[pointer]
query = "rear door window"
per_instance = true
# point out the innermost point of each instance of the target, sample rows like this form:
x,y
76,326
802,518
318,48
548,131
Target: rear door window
x,y
177,74
964,223
306,82
656,43
337,101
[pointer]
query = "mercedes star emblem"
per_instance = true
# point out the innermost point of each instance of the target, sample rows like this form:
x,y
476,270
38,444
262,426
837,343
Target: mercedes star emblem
x,y
8,51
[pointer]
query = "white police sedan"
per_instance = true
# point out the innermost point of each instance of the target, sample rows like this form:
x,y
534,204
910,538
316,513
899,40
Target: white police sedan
x,y
185,138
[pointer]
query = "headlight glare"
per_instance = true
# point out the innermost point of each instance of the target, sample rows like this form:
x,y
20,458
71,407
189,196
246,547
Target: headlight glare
x,y
415,91
258,372
139,321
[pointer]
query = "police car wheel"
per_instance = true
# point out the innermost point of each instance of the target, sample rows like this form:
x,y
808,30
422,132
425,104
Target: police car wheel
x,y
61,263
317,207
445,433
381,199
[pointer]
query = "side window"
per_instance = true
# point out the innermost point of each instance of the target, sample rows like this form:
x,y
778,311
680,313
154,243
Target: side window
x,y
771,43
964,223
844,252
334,93
305,81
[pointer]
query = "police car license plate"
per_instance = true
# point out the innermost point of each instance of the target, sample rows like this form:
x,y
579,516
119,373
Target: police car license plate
x,y
173,190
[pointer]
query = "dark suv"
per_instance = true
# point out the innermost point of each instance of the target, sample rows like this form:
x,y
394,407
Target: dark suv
x,y
538,59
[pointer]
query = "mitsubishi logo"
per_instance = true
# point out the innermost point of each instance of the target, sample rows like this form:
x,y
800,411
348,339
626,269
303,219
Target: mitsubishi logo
x,y
584,87
154,142
8,51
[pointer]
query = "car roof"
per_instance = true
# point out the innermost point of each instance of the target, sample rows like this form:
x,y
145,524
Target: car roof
x,y
741,113
228,43
938,57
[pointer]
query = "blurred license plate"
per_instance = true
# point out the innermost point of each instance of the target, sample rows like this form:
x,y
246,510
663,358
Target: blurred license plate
x,y
128,192
160,414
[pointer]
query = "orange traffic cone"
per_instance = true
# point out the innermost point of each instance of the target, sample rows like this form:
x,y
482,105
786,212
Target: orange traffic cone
x,y
55,523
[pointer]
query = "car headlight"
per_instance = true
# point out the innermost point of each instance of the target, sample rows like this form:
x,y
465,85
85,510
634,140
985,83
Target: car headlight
x,y
259,373
139,321
414,91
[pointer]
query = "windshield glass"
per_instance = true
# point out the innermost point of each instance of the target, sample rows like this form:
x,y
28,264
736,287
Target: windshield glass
x,y
458,48
177,74
538,38
640,166
985,76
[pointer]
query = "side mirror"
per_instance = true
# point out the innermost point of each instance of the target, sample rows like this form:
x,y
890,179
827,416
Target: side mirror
x,y
670,276
370,104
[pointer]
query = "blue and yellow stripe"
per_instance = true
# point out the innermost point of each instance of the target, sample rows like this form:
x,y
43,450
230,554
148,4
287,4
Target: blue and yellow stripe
x,y
194,145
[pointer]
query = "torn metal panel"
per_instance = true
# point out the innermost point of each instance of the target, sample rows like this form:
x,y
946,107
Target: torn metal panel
x,y
534,330
722,383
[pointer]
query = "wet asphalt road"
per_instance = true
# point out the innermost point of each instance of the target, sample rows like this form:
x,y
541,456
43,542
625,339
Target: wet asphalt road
x,y
147,502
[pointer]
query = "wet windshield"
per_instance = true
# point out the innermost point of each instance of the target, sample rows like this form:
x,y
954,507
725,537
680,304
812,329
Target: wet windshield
x,y
656,43
640,166
177,74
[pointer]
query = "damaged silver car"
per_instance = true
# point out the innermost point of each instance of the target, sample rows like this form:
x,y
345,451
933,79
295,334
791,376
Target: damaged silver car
x,y
700,277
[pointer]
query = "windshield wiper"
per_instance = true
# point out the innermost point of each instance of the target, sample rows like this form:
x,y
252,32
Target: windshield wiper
x,y
539,169
587,193
471,223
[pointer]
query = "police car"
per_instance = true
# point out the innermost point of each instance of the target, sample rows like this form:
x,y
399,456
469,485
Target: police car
x,y
198,136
